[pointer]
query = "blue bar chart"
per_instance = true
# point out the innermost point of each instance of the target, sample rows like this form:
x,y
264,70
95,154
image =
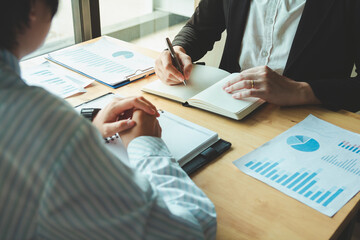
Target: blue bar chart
x,y
355,148
53,80
104,61
92,60
303,182
314,162
49,78
351,165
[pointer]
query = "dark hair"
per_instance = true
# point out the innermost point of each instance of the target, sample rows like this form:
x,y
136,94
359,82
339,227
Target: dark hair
x,y
14,17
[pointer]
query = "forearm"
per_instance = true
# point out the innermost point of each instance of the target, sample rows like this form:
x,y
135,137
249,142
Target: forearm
x,y
338,94
183,198
190,40
203,29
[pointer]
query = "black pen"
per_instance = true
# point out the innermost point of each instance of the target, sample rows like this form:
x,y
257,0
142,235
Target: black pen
x,y
174,58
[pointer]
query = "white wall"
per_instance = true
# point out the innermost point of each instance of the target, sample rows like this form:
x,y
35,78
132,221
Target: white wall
x,y
180,7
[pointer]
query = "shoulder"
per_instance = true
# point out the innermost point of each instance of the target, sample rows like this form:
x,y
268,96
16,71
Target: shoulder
x,y
43,117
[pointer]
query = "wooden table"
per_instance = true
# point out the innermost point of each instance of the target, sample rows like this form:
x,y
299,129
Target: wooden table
x,y
247,208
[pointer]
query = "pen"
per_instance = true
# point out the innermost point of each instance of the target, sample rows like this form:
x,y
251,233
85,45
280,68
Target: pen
x,y
174,58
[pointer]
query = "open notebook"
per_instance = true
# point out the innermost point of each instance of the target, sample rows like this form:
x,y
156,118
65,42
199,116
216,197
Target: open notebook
x,y
190,144
204,90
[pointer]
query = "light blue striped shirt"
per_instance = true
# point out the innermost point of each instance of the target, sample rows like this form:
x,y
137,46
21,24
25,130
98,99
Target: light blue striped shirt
x,y
58,180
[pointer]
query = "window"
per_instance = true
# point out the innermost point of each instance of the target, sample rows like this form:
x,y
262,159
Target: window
x,y
61,33
144,22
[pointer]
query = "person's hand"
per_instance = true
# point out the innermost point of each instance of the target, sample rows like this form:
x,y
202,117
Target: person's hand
x,y
116,117
167,72
146,125
264,83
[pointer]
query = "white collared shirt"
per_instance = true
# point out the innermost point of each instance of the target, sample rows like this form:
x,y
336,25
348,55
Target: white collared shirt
x,y
269,33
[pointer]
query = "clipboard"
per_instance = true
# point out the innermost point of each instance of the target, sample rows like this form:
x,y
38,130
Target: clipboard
x,y
105,61
139,74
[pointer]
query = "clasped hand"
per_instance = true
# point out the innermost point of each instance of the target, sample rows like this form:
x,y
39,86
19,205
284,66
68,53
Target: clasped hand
x,y
130,117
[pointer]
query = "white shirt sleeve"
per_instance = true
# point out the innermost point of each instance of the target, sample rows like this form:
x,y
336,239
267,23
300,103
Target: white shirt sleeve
x,y
91,194
183,198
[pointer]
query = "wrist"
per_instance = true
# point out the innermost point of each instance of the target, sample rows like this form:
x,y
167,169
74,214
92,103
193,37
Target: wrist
x,y
307,95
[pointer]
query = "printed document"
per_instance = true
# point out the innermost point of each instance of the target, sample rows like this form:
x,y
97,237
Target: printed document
x,y
315,162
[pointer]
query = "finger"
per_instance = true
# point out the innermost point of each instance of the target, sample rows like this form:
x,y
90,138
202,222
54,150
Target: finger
x,y
187,64
166,78
242,76
119,107
110,129
172,80
153,106
257,69
169,68
142,103
248,93
235,79
245,84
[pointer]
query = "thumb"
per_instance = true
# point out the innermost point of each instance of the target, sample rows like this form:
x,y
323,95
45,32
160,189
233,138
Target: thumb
x,y
117,127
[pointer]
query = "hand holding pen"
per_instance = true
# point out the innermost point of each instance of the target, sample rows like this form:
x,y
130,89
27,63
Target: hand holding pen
x,y
170,71
175,60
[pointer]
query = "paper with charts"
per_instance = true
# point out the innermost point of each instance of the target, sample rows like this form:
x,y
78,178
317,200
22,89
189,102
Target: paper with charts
x,y
104,61
57,80
314,162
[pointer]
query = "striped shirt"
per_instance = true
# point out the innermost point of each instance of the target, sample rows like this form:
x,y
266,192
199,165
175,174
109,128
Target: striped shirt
x,y
58,180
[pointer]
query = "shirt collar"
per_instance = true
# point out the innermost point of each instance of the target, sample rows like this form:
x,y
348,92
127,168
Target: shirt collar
x,y
10,59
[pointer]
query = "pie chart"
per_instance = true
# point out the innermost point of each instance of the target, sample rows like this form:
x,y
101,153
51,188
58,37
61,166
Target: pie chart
x,y
123,54
303,143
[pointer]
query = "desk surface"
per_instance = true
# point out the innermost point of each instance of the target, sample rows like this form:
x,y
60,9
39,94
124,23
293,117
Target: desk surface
x,y
246,207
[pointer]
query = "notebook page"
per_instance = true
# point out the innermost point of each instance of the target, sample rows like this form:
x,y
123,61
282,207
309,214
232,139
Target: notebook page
x,y
218,100
184,139
103,61
201,78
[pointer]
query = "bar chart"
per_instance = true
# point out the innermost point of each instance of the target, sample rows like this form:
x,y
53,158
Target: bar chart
x,y
56,81
355,148
351,165
53,81
88,59
309,162
303,182
103,61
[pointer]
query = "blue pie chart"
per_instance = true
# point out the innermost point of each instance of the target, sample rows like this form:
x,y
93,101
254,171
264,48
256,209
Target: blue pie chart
x,y
303,143
123,54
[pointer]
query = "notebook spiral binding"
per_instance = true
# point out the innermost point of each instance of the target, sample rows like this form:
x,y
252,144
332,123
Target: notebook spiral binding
x,y
112,138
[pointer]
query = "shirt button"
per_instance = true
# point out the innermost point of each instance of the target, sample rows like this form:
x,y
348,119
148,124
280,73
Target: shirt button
x,y
264,53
